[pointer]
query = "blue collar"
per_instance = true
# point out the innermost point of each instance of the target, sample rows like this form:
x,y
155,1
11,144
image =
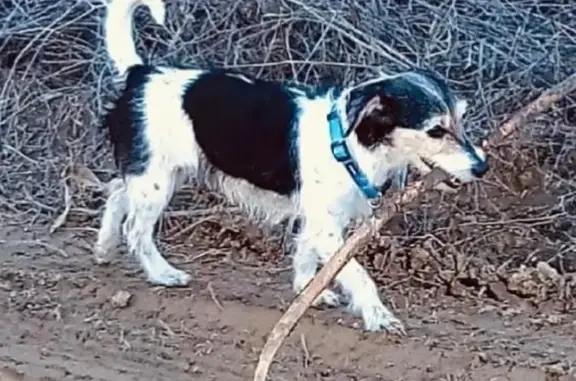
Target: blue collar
x,y
343,155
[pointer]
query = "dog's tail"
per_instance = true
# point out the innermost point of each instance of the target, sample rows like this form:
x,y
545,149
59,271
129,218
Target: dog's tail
x,y
118,30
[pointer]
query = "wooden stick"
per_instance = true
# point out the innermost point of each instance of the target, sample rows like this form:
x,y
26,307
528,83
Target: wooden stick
x,y
538,106
363,234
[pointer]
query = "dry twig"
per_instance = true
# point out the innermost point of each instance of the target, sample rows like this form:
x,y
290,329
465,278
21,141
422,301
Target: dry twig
x,y
363,234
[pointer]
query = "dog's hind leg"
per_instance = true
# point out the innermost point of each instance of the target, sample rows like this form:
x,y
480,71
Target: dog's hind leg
x,y
149,194
109,235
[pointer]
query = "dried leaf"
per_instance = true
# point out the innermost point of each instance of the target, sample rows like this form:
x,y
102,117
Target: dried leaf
x,y
84,176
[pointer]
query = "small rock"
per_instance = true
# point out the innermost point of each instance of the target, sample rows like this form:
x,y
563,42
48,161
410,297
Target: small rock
x,y
547,272
6,286
554,319
555,369
120,299
522,284
483,357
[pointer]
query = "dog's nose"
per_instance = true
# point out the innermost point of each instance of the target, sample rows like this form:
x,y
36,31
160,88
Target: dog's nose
x,y
480,168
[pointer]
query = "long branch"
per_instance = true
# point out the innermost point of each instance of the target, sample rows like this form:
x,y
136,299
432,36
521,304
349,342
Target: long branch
x,y
363,235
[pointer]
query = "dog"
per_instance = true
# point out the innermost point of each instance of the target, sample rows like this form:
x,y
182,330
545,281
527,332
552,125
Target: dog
x,y
280,151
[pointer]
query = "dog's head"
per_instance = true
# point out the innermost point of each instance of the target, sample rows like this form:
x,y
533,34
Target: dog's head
x,y
417,119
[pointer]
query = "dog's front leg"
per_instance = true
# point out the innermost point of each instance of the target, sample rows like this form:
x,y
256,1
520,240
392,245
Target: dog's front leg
x,y
304,266
325,237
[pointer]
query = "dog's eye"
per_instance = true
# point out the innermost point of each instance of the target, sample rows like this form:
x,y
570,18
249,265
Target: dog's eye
x,y
437,132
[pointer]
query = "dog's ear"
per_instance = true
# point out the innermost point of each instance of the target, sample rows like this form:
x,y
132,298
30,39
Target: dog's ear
x,y
376,120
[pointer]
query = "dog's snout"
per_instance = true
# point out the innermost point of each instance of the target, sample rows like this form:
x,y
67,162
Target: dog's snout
x,y
480,168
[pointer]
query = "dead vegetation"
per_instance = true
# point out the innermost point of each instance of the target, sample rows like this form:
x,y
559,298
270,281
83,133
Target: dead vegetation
x,y
490,240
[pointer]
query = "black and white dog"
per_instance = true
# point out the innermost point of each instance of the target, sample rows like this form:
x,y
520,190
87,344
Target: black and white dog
x,y
279,151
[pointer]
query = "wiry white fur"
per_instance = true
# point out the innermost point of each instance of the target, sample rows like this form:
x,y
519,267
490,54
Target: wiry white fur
x,y
118,30
327,201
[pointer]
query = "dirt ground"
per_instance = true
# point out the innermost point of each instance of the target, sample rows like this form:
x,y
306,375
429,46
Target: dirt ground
x,y
485,280
63,318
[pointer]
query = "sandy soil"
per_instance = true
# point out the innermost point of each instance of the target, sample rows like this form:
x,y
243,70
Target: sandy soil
x,y
64,318
463,273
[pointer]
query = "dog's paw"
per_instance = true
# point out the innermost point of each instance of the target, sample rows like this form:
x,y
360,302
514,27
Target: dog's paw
x,y
328,298
170,277
379,318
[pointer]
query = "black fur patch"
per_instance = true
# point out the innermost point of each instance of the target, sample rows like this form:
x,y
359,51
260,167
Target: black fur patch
x,y
246,130
125,121
375,127
404,104
441,86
